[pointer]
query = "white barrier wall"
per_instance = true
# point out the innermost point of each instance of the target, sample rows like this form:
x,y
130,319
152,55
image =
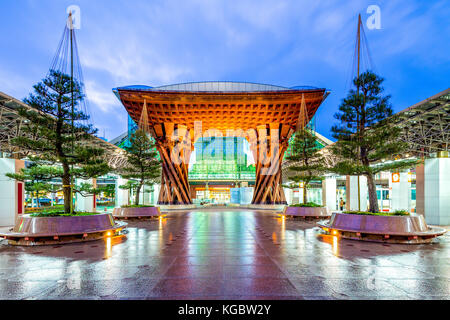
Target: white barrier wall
x,y
12,193
400,194
246,194
300,195
329,191
295,196
145,195
122,197
288,193
352,193
437,191
155,195
88,203
420,189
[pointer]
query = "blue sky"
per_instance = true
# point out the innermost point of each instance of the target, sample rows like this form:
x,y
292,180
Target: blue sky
x,y
277,42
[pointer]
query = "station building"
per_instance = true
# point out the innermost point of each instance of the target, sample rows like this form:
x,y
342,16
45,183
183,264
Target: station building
x,y
231,180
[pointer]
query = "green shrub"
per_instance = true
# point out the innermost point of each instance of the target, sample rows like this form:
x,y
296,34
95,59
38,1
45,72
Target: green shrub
x,y
57,207
137,206
308,205
396,213
401,213
62,214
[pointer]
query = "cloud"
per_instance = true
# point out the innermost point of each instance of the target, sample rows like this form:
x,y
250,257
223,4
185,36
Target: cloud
x,y
105,100
286,42
130,63
13,84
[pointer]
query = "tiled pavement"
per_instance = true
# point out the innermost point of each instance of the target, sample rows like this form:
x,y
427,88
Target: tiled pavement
x,y
226,254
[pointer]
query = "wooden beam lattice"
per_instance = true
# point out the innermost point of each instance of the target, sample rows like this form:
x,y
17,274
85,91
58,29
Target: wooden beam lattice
x,y
268,148
174,147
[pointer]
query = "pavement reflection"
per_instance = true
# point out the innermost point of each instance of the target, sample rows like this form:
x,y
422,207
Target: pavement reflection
x,y
225,254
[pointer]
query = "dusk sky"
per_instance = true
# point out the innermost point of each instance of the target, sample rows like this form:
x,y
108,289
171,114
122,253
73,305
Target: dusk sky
x,y
278,42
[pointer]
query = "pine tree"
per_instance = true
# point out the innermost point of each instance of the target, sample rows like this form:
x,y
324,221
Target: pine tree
x,y
57,135
308,162
109,190
366,136
143,166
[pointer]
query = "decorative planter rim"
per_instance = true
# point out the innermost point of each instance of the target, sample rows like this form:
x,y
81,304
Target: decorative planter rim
x,y
28,215
294,206
181,207
136,212
307,211
409,225
28,226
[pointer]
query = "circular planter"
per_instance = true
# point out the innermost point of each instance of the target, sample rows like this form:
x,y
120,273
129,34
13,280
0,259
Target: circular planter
x,y
394,229
307,212
30,230
142,212
271,207
177,207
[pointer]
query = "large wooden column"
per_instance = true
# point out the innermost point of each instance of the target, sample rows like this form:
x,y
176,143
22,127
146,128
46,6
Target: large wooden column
x,y
268,144
174,145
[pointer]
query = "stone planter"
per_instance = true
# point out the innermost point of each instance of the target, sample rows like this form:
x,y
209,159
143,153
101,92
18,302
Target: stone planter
x,y
142,212
178,207
307,212
30,230
395,229
272,207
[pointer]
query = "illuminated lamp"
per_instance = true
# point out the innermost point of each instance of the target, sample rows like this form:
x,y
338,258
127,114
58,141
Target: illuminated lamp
x,y
395,177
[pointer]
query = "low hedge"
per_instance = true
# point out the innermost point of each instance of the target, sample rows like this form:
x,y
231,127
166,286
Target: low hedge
x,y
308,205
395,213
58,207
137,206
62,214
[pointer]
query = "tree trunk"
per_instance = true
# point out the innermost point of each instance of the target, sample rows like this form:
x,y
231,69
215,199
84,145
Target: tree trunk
x,y
372,190
305,193
138,190
66,188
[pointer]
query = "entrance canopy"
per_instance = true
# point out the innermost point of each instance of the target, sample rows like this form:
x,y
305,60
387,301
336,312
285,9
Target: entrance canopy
x,y
179,114
220,105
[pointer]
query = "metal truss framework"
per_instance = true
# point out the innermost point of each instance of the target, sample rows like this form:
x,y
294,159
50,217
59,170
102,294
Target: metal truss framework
x,y
425,128
11,124
426,125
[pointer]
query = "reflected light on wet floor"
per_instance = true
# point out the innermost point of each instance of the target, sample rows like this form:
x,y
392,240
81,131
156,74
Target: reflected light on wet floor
x,y
224,254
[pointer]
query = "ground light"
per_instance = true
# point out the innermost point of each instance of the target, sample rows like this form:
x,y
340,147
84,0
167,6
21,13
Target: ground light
x,y
405,229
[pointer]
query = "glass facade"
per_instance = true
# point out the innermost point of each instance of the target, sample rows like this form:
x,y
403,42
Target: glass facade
x,y
216,86
221,158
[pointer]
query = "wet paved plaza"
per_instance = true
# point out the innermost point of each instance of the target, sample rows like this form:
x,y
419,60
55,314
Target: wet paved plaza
x,y
226,254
